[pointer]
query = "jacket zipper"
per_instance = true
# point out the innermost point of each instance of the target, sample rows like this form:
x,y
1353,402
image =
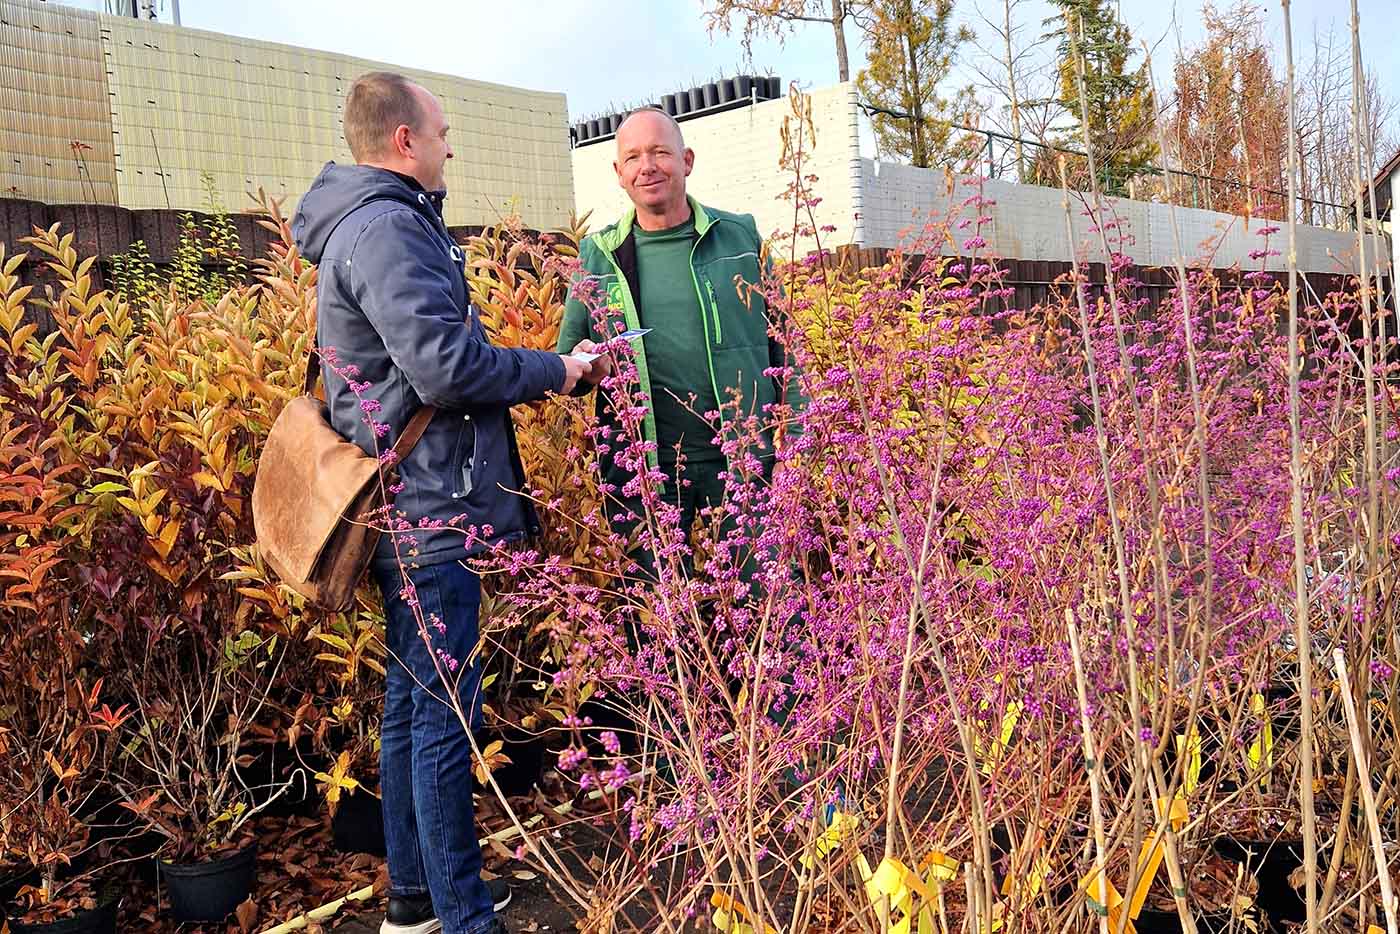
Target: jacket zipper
x,y
630,316
709,357
714,310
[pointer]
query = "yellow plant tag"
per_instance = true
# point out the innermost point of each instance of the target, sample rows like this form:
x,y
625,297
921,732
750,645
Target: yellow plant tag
x,y
723,922
1189,745
732,917
894,880
1027,881
831,838
1113,908
1153,850
1261,751
941,867
1008,726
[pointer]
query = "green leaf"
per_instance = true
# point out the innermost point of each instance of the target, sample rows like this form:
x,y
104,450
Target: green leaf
x,y
108,487
334,640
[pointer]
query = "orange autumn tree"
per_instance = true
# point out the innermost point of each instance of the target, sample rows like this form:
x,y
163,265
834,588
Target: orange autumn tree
x,y
1230,107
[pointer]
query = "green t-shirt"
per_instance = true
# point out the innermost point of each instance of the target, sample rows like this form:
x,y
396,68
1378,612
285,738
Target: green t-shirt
x,y
676,347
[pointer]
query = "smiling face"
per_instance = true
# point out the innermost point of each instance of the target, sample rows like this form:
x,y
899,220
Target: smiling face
x,y
652,166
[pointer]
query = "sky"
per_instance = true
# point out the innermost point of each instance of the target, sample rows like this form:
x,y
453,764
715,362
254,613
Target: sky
x,y
609,54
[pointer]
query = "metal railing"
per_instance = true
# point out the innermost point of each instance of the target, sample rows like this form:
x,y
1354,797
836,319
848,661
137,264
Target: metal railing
x,y
1008,165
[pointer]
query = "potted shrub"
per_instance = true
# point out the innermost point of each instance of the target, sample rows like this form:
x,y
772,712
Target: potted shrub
x,y
54,729
53,752
1220,901
356,813
159,491
343,732
195,701
518,283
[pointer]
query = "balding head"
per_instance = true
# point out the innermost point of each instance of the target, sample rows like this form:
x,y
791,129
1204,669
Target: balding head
x,y
652,166
656,117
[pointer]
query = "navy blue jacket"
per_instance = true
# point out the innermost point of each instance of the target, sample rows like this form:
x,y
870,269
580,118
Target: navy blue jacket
x,y
392,300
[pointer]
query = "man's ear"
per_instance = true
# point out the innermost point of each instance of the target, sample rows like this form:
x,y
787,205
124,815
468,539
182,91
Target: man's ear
x,y
689,160
618,170
403,140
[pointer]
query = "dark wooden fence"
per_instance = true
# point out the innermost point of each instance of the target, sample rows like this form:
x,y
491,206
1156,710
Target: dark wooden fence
x,y
1039,282
106,230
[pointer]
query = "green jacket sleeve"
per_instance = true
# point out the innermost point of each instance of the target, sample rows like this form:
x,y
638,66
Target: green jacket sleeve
x,y
578,323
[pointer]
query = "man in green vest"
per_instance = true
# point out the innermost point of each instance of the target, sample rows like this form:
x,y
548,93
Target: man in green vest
x,y
691,275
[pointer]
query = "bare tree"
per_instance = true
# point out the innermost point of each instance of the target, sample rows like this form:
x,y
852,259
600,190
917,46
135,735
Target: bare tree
x,y
1019,76
1324,130
777,18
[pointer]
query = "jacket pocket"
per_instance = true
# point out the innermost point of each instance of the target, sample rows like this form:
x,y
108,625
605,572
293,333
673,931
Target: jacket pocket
x,y
717,334
463,463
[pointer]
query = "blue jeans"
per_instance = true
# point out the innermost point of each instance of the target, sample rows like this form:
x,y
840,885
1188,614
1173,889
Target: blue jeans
x,y
425,756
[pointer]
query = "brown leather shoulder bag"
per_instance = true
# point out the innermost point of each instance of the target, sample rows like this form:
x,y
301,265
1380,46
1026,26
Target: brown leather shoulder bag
x,y
316,496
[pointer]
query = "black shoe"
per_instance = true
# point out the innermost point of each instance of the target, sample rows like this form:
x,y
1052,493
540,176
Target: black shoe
x,y
410,914
500,893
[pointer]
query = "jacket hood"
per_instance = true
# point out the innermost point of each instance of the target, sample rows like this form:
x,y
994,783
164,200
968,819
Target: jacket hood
x,y
339,190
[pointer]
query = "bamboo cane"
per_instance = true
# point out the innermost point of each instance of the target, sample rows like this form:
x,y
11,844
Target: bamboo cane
x,y
1302,633
1368,796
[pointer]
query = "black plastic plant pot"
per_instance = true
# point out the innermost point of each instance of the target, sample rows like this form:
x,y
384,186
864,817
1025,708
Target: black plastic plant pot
x,y
1272,862
711,94
726,91
682,102
1152,921
743,86
99,920
10,885
527,751
775,87
697,98
1283,706
593,130
668,103
210,891
358,824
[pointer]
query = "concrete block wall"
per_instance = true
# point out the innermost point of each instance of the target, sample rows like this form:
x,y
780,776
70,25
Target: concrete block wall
x,y
178,102
880,204
54,82
1028,223
1393,221
736,166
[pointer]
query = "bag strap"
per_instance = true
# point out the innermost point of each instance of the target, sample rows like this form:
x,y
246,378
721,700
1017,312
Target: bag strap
x,y
313,370
412,432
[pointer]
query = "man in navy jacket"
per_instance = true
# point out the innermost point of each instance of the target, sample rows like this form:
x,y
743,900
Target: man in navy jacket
x,y
393,303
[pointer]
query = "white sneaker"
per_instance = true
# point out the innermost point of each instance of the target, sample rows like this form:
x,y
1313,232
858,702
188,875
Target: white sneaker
x,y
413,915
431,926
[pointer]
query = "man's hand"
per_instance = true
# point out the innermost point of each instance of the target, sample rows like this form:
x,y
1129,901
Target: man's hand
x,y
601,367
574,370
